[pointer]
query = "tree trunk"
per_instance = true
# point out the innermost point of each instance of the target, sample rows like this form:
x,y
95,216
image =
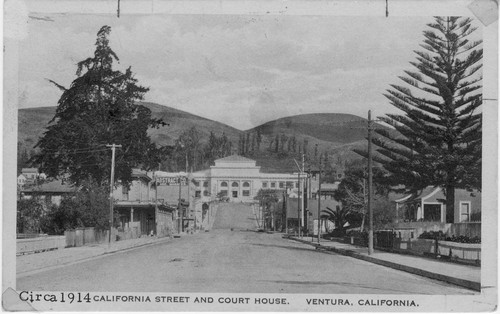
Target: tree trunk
x,y
450,204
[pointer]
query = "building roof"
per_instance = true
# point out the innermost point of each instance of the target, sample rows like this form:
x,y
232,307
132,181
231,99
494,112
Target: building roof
x,y
137,173
29,170
234,158
55,186
421,194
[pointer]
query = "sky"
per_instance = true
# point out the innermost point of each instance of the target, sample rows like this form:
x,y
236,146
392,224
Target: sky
x,y
242,70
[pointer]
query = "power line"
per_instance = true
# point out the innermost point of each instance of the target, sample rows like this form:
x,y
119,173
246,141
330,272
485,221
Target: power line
x,y
75,149
73,153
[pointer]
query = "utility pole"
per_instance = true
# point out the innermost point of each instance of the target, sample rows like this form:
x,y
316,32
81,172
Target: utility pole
x,y
179,210
319,202
111,186
370,184
304,183
298,201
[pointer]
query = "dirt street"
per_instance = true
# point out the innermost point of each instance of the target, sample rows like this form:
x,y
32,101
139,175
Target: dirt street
x,y
232,261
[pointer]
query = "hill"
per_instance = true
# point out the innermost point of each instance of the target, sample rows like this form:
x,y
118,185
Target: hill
x,y
334,133
334,128
32,123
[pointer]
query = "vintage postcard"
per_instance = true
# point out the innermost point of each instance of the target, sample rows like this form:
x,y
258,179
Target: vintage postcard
x,y
248,156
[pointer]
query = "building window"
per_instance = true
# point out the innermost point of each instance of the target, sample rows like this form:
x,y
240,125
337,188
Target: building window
x,y
235,194
273,185
197,194
246,188
196,183
264,185
289,184
205,193
205,184
464,211
125,190
297,185
223,184
223,193
282,185
235,184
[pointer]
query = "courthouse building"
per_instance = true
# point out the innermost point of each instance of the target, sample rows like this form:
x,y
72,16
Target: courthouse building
x,y
239,179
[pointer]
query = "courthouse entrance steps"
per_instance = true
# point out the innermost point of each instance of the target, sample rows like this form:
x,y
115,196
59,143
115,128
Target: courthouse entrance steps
x,y
237,216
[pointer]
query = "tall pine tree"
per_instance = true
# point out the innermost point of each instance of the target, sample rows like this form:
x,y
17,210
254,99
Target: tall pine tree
x,y
438,139
98,108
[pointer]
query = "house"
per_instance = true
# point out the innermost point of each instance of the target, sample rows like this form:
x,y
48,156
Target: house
x,y
21,180
429,205
328,190
51,192
31,175
139,209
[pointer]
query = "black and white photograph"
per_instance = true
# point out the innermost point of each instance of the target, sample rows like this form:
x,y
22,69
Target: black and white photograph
x,y
248,157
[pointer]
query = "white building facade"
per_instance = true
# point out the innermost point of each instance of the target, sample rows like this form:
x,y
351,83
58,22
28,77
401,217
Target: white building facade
x,y
239,179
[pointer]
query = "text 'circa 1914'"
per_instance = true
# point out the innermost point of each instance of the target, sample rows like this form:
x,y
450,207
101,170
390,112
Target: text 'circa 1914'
x,y
81,297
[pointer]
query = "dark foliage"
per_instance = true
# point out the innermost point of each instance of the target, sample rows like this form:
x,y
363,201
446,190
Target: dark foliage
x,y
98,108
89,207
29,215
438,138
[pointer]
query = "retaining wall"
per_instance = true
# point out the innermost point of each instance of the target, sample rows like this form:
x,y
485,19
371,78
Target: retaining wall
x,y
453,250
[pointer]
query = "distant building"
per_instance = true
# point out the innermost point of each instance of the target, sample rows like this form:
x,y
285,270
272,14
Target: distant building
x,y
30,176
21,180
51,192
239,179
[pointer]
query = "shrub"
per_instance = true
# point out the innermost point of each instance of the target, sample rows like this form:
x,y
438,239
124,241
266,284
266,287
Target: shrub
x,y
439,235
464,239
433,235
29,215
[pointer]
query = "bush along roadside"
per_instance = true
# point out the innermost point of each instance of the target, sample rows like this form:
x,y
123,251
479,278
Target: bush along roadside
x,y
439,235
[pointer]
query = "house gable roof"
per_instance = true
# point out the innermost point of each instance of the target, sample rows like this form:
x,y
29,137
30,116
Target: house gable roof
x,y
55,186
29,170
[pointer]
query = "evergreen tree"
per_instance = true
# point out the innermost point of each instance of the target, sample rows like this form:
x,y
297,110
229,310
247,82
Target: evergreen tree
x,y
247,143
438,139
283,140
304,146
253,143
187,147
240,144
243,144
98,108
259,139
276,143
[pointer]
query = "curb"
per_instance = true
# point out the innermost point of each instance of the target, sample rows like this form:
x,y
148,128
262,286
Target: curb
x,y
85,259
161,240
472,285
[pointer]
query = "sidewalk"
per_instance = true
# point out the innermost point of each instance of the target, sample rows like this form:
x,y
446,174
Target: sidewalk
x,y
33,263
461,275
